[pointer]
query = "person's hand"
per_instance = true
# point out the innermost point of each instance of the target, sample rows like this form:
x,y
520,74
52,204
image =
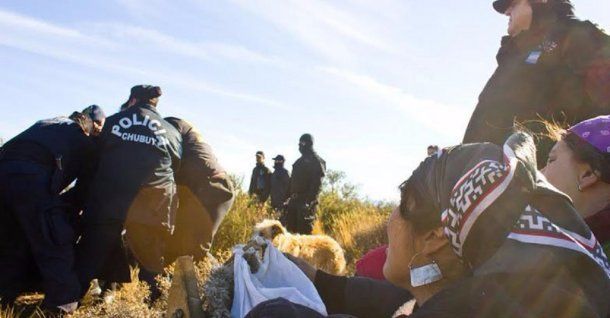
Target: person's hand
x,y
307,269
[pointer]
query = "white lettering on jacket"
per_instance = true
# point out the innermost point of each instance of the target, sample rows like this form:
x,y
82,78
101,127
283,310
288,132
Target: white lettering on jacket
x,y
153,125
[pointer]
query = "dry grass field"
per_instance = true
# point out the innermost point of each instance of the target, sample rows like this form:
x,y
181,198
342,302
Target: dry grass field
x,y
358,225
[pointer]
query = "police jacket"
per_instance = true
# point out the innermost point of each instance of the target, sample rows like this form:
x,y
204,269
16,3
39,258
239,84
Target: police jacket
x,y
59,144
307,174
138,149
558,70
280,185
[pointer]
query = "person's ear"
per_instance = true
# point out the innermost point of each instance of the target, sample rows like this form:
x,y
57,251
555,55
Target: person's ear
x,y
434,241
131,102
587,178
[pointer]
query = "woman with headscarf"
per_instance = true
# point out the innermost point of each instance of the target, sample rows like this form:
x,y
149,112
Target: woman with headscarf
x,y
480,233
579,166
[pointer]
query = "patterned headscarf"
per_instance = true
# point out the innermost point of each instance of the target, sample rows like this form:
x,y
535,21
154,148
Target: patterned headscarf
x,y
486,196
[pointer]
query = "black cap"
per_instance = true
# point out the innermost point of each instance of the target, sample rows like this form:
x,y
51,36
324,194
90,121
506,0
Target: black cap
x,y
279,157
95,113
260,153
502,5
306,139
145,92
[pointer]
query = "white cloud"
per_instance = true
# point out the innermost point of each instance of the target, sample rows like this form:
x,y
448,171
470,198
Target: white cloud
x,y
331,32
201,50
447,120
72,45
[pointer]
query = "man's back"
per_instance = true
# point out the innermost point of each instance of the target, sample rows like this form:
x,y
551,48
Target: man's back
x,y
137,149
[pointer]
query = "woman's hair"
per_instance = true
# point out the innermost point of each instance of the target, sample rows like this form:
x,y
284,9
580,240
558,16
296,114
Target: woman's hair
x,y
416,209
583,151
84,121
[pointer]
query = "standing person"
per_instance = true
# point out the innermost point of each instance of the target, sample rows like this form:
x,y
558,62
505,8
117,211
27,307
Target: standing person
x,y
36,236
305,185
260,183
579,166
280,183
551,66
134,189
205,195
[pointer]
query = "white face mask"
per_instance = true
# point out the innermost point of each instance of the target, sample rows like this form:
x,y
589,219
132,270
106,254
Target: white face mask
x,y
426,274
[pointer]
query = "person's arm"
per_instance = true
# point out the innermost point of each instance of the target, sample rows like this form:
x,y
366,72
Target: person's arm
x,y
315,186
358,296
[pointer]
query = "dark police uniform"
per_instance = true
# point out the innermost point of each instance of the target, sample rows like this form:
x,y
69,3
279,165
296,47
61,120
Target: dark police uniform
x,y
560,68
133,187
204,200
280,186
305,185
36,237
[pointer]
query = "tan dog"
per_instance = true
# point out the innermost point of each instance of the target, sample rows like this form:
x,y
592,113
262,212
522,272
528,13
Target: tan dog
x,y
320,251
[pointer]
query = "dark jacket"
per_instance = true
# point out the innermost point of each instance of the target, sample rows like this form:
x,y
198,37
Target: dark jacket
x,y
280,185
260,182
58,144
204,200
307,174
138,150
560,67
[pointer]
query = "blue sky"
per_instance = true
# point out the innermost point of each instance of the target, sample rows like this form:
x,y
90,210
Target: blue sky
x,y
374,81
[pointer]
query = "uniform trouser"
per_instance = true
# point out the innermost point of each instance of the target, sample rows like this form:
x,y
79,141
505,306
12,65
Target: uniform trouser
x,y
100,254
299,217
37,239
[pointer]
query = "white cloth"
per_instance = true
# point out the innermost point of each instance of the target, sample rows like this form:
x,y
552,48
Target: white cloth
x,y
277,277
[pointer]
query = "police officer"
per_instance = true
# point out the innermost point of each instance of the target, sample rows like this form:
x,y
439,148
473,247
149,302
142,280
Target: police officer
x,y
36,236
97,115
550,66
205,194
280,183
134,189
260,182
305,185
